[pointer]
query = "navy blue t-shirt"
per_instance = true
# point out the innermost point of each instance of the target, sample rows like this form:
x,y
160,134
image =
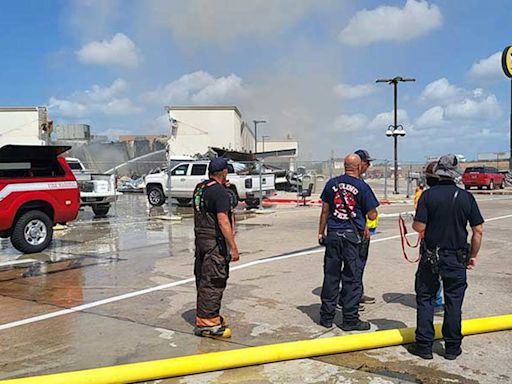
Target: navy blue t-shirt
x,y
359,197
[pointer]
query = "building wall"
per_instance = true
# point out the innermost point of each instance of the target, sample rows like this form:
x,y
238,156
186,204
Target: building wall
x,y
199,129
22,125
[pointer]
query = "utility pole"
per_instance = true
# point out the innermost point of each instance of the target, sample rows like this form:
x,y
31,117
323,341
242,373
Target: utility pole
x,y
256,122
395,130
263,137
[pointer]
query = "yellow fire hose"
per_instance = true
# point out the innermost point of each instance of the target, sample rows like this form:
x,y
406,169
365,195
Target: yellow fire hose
x,y
188,365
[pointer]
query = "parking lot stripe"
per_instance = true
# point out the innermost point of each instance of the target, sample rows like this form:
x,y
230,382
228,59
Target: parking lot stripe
x,y
130,295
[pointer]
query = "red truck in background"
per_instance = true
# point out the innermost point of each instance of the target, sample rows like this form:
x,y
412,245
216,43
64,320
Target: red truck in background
x,y
37,191
480,177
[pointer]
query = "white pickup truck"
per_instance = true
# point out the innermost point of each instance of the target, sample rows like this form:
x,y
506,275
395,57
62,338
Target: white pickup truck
x,y
186,175
97,190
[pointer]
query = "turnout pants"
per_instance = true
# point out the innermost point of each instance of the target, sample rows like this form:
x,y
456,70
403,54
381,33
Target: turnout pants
x,y
453,274
341,264
364,250
211,270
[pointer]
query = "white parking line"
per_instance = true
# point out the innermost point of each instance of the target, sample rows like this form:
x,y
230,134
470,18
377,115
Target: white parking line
x,y
130,295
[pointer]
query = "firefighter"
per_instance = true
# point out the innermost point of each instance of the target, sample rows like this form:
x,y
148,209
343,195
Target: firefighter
x,y
443,214
215,248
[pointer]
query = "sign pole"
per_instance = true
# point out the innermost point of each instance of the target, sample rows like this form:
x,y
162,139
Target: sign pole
x,y
506,64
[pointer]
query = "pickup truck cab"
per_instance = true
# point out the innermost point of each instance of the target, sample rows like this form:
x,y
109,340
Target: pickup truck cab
x,y
37,191
97,190
186,175
480,177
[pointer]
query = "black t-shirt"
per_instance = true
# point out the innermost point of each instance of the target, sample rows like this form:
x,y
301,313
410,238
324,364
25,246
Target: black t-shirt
x,y
217,200
446,210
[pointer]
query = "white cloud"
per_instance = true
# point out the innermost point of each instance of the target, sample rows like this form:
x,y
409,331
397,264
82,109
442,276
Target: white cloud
x,y
67,108
198,88
441,91
431,118
225,21
350,123
94,101
99,93
487,108
121,107
119,51
347,91
488,69
387,23
466,116
385,119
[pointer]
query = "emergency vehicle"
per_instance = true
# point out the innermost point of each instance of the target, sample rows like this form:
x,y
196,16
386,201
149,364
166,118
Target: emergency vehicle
x,y
37,191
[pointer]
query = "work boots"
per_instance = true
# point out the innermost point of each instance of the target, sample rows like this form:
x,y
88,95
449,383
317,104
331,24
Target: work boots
x,y
216,331
220,330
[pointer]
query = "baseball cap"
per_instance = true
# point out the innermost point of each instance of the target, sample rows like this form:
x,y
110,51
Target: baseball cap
x,y
364,155
218,164
448,166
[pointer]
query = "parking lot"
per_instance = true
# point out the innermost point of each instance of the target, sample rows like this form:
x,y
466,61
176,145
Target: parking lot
x,y
120,289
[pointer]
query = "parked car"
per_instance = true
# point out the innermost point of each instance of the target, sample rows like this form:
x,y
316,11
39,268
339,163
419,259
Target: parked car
x,y
37,191
186,175
97,190
480,177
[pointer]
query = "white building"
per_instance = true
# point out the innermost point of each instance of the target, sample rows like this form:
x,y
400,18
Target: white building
x,y
198,128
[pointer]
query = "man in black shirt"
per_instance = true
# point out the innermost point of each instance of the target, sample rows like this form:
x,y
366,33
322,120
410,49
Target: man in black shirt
x,y
441,218
215,248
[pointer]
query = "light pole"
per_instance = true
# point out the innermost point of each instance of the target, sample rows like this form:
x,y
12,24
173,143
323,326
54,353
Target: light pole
x,y
395,130
256,122
263,137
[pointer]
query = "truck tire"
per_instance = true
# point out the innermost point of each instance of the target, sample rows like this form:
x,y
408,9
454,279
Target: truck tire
x,y
101,210
252,203
502,185
491,185
184,202
156,196
467,187
32,232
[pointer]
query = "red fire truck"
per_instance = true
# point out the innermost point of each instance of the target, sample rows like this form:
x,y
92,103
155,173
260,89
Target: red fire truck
x,y
37,191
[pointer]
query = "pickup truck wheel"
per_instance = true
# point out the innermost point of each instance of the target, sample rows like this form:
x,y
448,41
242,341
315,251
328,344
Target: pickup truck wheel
x,y
491,185
156,196
101,210
32,232
502,185
467,187
184,202
252,203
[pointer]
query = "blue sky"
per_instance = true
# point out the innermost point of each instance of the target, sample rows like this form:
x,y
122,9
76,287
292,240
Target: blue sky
x,y
306,66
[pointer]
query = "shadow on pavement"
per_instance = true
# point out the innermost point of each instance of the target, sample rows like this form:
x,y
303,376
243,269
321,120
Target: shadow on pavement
x,y
313,311
407,299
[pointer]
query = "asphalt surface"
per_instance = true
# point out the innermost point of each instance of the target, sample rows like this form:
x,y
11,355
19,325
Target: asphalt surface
x,y
119,290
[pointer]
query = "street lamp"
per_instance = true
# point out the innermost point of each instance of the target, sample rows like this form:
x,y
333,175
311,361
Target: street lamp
x,y
263,137
395,130
256,122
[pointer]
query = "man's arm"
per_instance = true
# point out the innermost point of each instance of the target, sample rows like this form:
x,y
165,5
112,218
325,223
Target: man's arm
x,y
419,227
476,242
323,221
227,232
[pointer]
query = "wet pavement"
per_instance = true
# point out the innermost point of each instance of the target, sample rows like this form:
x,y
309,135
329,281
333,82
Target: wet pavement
x,y
119,290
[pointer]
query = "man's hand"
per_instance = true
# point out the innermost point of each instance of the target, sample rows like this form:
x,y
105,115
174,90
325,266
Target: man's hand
x,y
235,256
367,233
472,263
321,239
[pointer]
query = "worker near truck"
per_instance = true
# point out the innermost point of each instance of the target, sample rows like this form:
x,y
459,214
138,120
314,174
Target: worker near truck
x,y
442,215
370,228
347,201
215,248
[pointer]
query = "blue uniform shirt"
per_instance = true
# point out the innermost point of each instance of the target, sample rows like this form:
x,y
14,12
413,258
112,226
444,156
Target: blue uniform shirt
x,y
359,197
